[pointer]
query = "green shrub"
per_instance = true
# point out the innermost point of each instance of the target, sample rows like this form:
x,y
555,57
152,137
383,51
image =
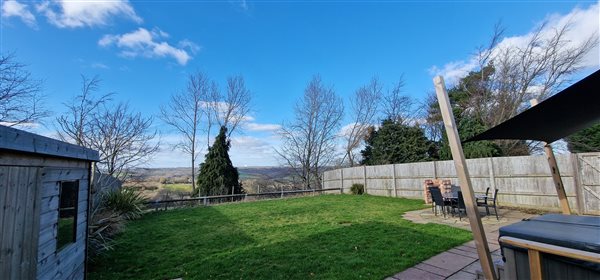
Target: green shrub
x,y
357,189
103,225
126,202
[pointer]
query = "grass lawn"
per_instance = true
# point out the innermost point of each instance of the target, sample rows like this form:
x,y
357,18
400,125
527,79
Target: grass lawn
x,y
323,237
66,232
178,187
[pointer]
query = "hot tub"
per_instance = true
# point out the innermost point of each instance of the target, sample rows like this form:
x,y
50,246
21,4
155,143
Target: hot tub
x,y
564,246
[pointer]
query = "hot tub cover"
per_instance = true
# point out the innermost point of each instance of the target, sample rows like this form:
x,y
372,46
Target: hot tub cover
x,y
576,232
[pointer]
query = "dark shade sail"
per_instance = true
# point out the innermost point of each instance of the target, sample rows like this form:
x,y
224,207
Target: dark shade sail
x,y
575,108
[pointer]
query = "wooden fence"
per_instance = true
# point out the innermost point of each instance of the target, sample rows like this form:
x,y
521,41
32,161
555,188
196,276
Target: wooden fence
x,y
522,181
217,199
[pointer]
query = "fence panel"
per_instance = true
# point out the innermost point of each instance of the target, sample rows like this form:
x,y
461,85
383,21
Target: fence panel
x,y
523,181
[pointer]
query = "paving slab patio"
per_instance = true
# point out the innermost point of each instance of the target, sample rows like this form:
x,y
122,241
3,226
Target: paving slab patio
x,y
461,262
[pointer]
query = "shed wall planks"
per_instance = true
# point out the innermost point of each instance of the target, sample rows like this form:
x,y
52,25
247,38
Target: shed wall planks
x,y
32,168
19,192
68,262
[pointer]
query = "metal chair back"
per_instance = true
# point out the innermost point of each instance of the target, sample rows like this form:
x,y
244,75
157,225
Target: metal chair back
x,y
436,196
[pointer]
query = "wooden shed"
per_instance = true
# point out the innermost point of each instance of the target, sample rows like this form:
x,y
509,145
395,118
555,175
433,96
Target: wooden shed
x,y
44,194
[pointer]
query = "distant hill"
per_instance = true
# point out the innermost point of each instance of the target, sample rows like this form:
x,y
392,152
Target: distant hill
x,y
265,173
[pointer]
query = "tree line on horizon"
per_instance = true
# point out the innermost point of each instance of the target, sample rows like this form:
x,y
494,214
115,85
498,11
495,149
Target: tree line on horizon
x,y
386,125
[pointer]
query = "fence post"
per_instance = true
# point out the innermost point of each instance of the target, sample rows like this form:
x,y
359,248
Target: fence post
x,y
394,178
342,180
281,191
258,189
322,180
204,201
365,178
492,174
577,184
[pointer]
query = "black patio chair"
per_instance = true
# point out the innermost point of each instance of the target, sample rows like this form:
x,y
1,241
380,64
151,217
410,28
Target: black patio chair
x,y
460,205
483,201
494,203
432,201
438,200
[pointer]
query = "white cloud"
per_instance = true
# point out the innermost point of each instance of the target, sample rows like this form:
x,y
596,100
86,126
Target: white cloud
x,y
99,65
245,151
264,127
72,14
253,151
345,130
191,46
11,8
455,70
142,42
583,24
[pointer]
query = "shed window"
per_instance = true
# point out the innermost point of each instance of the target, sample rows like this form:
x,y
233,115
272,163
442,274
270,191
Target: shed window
x,y
67,213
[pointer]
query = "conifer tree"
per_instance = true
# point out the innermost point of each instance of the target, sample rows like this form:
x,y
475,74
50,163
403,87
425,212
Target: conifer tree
x,y
586,140
395,142
217,175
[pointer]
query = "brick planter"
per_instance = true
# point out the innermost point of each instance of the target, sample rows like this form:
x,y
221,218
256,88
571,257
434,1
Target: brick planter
x,y
444,185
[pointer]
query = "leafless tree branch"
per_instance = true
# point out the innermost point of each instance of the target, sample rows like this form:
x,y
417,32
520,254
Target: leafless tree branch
x,y
309,141
364,105
184,113
20,94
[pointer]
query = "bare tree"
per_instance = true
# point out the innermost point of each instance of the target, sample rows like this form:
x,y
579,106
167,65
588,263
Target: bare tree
x,y
512,74
231,109
212,109
124,139
184,114
397,106
309,141
364,105
20,94
75,124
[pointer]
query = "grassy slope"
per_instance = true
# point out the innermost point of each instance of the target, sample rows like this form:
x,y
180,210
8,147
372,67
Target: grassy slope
x,y
178,187
324,237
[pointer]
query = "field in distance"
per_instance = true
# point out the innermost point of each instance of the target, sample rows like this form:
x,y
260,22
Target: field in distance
x,y
177,182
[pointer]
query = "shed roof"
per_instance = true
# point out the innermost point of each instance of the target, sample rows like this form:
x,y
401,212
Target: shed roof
x,y
574,108
16,140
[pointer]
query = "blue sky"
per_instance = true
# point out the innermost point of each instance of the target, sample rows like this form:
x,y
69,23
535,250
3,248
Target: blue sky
x,y
144,50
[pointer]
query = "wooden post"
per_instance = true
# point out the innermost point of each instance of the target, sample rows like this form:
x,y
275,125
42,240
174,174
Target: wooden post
x,y
492,175
394,178
342,180
558,184
577,184
462,172
365,178
281,191
535,265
